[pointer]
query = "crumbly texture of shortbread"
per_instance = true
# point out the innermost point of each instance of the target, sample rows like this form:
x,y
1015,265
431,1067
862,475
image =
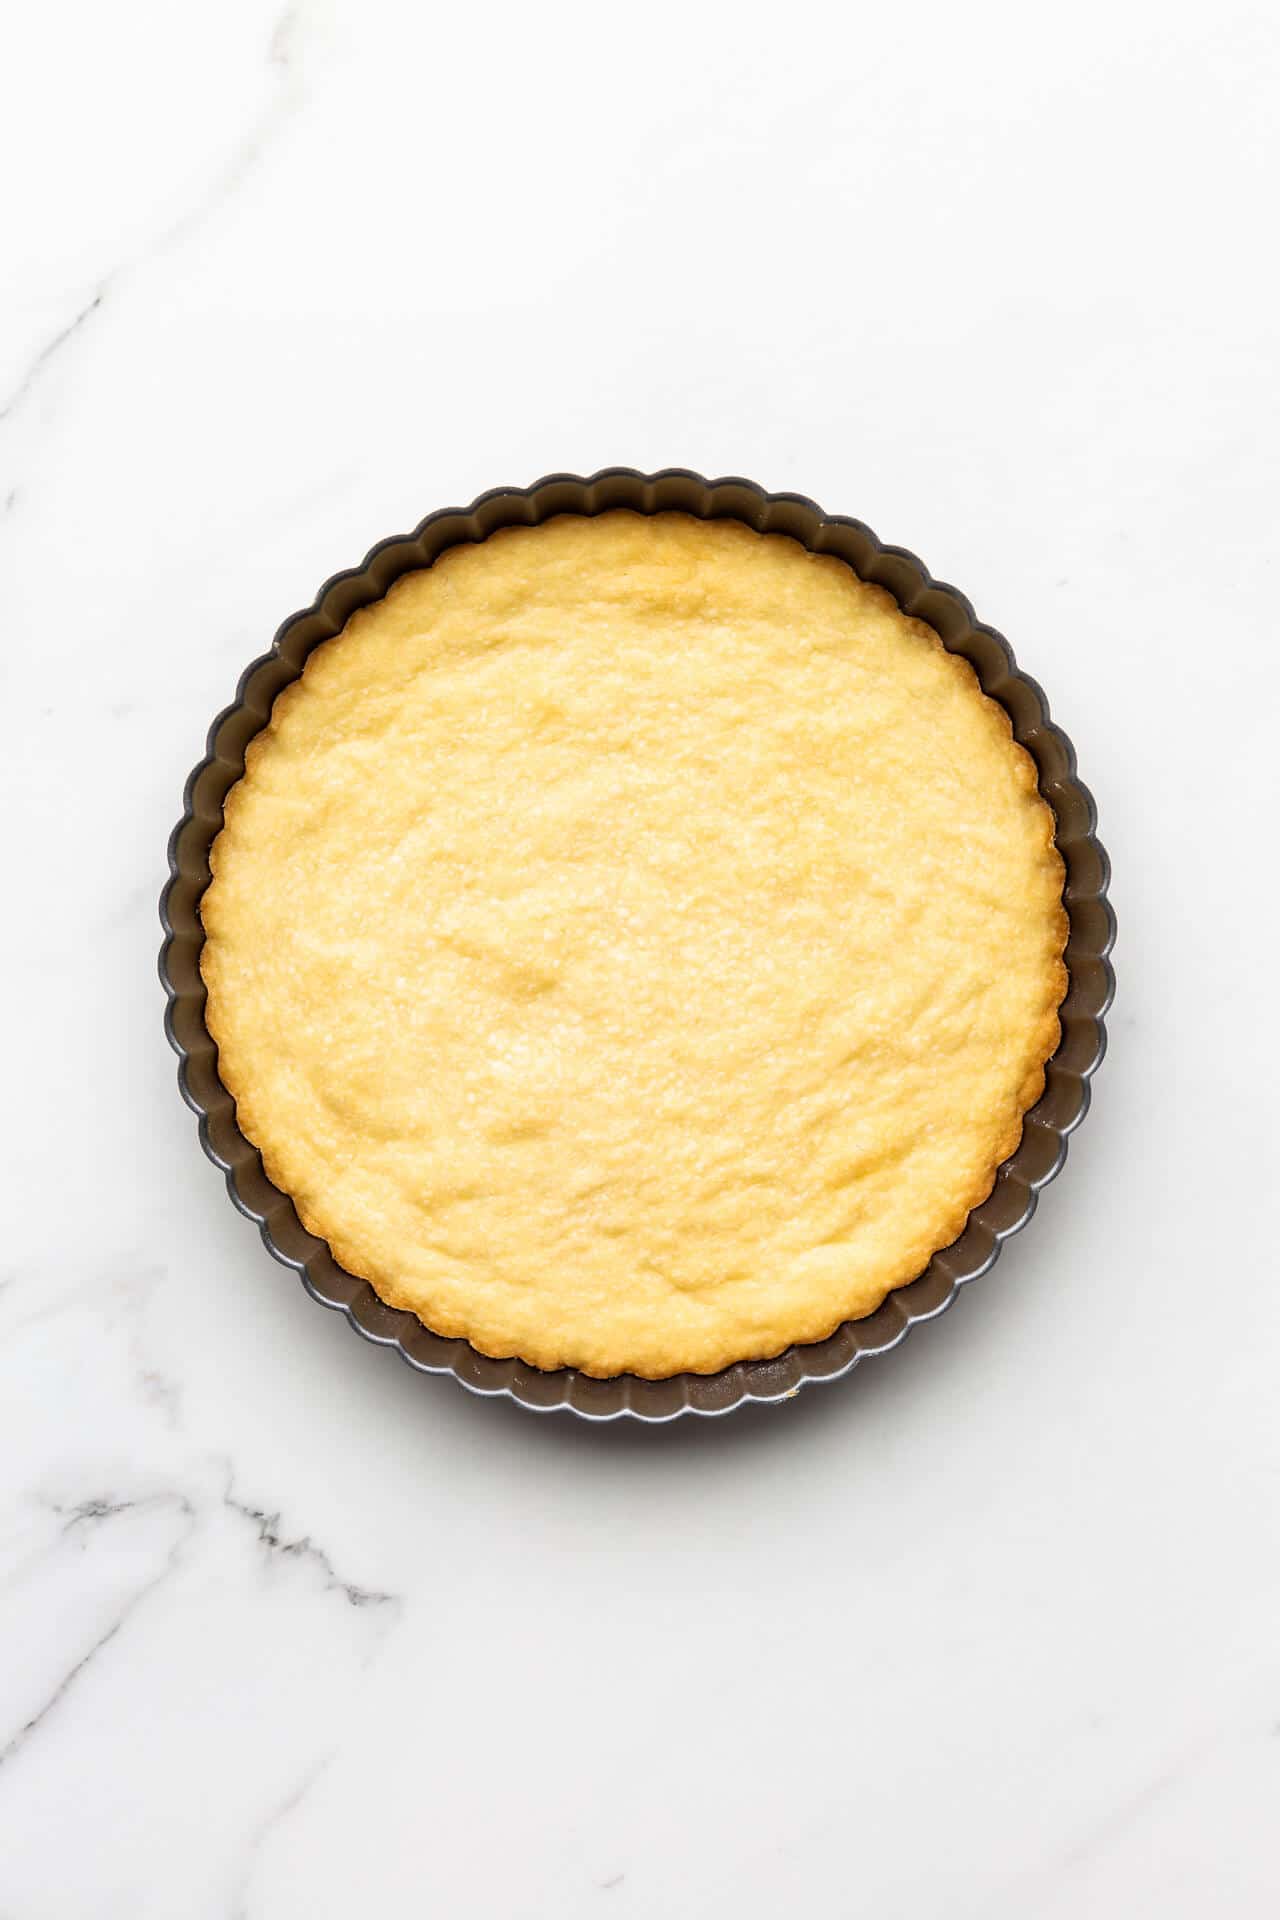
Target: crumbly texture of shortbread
x,y
634,944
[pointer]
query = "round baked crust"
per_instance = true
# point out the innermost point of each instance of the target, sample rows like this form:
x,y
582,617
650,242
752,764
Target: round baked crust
x,y
634,944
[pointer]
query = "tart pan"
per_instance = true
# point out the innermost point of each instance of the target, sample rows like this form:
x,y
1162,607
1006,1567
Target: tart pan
x,y
1042,1149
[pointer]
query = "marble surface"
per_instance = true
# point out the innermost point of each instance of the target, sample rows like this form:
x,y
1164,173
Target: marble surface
x,y
988,1631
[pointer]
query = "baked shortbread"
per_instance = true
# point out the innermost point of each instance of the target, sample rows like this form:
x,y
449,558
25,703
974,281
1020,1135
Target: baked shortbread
x,y
634,944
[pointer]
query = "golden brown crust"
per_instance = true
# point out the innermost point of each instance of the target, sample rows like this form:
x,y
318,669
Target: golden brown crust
x,y
594,1078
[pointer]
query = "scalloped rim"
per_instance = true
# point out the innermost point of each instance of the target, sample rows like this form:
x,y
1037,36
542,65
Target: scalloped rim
x,y
1042,1150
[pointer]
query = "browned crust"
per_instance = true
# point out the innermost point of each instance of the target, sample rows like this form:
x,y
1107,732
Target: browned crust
x,y
915,1257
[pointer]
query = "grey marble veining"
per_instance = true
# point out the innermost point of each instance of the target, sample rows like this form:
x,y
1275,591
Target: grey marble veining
x,y
287,1633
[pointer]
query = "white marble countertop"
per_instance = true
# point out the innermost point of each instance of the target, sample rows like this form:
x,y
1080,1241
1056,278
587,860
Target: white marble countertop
x,y
990,1630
